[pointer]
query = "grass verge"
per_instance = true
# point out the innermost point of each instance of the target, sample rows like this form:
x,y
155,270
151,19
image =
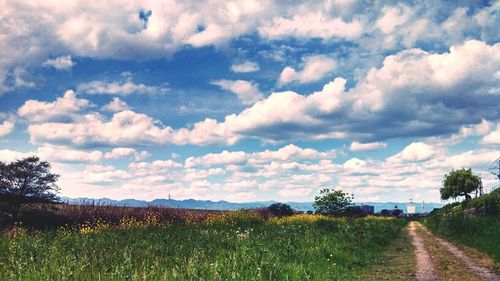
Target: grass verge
x,y
397,262
447,266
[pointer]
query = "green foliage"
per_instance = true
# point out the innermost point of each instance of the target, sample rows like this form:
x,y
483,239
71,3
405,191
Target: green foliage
x,y
479,229
488,204
459,183
28,180
281,249
280,209
332,202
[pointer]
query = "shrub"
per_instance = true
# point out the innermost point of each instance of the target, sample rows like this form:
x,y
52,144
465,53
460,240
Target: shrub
x,y
280,210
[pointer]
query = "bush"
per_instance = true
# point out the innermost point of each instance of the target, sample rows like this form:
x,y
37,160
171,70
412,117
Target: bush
x,y
280,210
478,229
489,203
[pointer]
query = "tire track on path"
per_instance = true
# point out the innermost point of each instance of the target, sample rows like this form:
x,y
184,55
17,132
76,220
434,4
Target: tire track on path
x,y
425,270
484,272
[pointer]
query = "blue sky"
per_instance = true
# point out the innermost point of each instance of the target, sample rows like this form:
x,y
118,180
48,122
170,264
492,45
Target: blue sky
x,y
247,101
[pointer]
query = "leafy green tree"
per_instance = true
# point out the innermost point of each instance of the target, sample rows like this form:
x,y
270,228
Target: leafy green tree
x,y
332,202
459,183
280,209
28,180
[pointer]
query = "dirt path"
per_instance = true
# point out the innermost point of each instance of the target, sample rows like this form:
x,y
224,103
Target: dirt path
x,y
439,259
483,272
425,268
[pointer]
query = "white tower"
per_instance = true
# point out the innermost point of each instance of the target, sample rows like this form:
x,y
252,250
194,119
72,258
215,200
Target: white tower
x,y
410,209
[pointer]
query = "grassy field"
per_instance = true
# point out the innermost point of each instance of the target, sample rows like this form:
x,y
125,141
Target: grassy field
x,y
480,230
226,246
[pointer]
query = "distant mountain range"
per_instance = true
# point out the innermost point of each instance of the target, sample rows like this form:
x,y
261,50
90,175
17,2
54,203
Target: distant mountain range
x,y
225,205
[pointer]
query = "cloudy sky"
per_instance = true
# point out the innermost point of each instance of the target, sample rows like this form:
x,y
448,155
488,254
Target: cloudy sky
x,y
246,101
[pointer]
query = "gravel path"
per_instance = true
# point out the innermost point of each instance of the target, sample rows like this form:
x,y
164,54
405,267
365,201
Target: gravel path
x,y
425,269
473,266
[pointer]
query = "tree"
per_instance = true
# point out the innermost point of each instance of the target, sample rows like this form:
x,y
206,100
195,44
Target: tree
x,y
333,202
280,209
459,183
28,180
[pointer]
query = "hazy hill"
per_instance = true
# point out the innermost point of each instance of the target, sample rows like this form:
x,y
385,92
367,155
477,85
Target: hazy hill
x,y
225,205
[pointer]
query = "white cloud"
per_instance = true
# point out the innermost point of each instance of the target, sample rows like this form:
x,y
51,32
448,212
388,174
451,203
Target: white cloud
x,y
54,153
22,78
114,29
314,68
492,137
120,152
7,155
116,105
416,151
391,18
65,154
240,158
356,146
417,92
311,25
60,63
290,172
354,164
246,91
6,127
63,108
126,87
98,174
245,67
126,127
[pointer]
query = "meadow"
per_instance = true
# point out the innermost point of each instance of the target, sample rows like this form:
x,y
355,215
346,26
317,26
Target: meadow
x,y
240,245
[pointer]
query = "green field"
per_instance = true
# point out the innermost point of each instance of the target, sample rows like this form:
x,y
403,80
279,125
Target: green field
x,y
230,246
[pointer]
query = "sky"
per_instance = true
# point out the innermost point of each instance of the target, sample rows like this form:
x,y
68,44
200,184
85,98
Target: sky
x,y
251,100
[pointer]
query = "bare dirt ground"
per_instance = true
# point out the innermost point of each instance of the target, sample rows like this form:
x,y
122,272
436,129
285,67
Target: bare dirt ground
x,y
480,271
438,259
425,267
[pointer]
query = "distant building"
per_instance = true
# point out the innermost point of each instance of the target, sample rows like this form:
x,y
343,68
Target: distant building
x,y
396,212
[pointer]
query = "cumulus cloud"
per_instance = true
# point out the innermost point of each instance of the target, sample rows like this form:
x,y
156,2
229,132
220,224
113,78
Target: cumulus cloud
x,y
245,67
126,127
420,93
286,173
356,146
392,17
6,127
99,174
59,153
62,109
289,152
120,152
118,30
314,68
246,91
311,25
124,88
68,155
416,151
492,137
60,63
8,155
116,105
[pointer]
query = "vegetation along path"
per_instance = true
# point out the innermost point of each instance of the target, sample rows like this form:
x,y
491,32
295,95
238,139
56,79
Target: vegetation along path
x,y
438,259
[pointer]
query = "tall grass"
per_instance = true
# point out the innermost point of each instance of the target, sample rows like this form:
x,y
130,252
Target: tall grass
x,y
479,229
226,246
43,216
